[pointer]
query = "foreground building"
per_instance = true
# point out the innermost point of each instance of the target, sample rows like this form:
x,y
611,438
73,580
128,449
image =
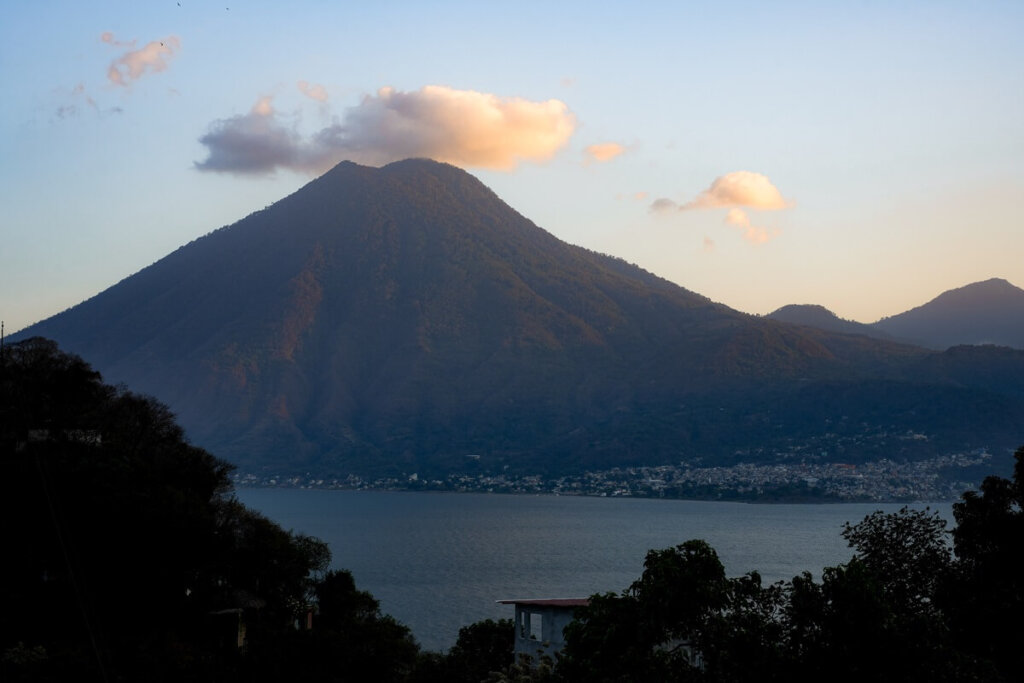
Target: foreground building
x,y
540,624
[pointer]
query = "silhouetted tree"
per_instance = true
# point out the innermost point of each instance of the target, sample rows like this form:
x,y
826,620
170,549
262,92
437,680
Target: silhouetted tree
x,y
123,538
482,650
988,600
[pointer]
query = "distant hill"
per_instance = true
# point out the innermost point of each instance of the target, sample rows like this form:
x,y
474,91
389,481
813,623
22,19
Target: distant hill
x,y
396,320
820,317
989,312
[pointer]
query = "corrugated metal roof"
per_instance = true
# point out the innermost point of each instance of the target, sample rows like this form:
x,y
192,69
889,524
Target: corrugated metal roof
x,y
549,602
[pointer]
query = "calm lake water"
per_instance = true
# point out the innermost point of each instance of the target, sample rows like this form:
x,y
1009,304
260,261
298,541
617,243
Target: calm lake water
x,y
439,561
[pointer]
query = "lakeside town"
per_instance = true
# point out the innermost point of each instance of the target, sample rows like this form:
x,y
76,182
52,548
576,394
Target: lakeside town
x,y
942,478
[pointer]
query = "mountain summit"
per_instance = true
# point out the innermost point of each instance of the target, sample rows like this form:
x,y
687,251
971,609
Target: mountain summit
x,y
989,312
813,315
399,319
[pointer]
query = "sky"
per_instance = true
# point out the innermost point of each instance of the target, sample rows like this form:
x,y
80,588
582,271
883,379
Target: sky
x,y
865,156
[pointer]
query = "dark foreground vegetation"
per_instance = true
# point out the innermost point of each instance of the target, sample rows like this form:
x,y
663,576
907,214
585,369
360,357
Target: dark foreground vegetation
x,y
128,559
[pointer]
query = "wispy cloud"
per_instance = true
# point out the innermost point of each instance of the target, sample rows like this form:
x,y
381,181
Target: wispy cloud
x,y
462,127
78,101
313,91
734,191
605,151
752,233
134,64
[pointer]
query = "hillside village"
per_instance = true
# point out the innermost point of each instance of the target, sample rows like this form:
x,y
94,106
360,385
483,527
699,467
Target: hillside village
x,y
938,479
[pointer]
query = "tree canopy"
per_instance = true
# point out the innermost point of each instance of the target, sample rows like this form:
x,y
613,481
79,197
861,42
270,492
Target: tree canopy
x,y
128,555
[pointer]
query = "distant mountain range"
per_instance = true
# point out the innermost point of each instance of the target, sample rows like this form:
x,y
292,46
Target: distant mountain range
x,y
400,319
989,312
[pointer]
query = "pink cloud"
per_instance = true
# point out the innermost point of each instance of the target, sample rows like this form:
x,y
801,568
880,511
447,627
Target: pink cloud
x,y
314,91
739,188
752,233
605,151
134,64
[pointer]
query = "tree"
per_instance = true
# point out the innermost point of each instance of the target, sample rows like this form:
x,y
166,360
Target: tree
x,y
745,640
908,553
988,599
350,641
482,651
653,629
124,538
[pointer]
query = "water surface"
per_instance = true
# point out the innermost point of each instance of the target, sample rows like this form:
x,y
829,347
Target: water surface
x,y
439,561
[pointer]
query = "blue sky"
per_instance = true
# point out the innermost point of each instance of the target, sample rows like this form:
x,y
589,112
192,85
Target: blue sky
x,y
864,156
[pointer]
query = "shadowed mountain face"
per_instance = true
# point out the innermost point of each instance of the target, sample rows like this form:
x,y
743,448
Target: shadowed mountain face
x,y
399,319
989,312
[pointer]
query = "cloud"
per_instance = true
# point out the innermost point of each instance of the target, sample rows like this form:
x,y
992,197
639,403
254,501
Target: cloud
x,y
752,233
134,64
739,188
461,127
709,244
605,151
79,100
663,205
733,191
254,143
314,91
264,107
108,37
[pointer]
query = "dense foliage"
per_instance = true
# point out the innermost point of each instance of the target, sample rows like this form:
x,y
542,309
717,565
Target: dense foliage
x,y
128,558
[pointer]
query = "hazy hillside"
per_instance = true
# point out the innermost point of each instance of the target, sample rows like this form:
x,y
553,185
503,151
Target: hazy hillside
x,y
401,318
989,312
812,315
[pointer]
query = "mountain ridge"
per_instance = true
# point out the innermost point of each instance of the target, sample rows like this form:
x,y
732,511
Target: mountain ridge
x,y
985,312
394,319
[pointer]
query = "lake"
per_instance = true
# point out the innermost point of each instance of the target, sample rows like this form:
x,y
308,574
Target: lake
x,y
439,561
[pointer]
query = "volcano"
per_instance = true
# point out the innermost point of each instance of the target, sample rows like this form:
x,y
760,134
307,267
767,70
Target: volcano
x,y
401,319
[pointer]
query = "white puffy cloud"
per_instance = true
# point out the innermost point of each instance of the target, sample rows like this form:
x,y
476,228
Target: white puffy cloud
x,y
314,91
739,188
461,127
133,64
602,152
